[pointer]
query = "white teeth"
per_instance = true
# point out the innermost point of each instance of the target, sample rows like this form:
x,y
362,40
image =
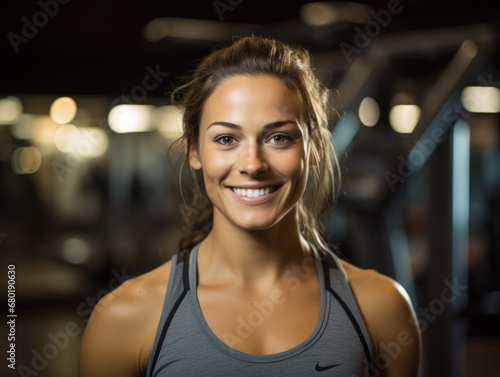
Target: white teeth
x,y
249,193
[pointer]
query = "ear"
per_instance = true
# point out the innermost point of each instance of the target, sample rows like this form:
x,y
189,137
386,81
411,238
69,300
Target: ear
x,y
192,152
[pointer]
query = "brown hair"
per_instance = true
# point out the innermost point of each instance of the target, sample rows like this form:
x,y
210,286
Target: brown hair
x,y
292,65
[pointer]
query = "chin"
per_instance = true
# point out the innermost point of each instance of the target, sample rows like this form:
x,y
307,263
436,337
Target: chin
x,y
255,224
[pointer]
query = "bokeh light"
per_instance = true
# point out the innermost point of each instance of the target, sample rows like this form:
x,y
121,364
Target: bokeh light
x,y
93,142
404,118
10,110
481,99
63,110
369,112
67,137
43,131
130,118
75,250
322,13
169,121
26,160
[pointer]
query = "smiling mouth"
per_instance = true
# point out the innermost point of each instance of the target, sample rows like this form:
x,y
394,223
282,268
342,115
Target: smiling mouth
x,y
255,193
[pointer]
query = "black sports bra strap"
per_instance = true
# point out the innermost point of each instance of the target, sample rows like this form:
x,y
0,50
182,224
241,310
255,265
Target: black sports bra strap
x,y
327,265
183,257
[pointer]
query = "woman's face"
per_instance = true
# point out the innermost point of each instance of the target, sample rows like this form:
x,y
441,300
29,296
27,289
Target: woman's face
x,y
252,151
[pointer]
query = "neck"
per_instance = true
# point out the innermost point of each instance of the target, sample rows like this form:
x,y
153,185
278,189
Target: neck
x,y
255,258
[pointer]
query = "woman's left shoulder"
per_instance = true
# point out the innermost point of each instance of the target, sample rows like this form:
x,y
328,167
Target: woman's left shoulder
x,y
373,287
389,317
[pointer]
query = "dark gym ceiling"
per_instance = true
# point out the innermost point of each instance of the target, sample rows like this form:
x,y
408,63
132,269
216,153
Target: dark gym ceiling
x,y
98,47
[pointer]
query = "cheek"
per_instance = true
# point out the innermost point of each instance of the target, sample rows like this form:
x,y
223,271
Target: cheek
x,y
292,166
216,165
296,170
215,169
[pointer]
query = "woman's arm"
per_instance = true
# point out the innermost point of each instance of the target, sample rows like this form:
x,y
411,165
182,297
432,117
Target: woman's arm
x,y
397,334
108,346
390,320
121,330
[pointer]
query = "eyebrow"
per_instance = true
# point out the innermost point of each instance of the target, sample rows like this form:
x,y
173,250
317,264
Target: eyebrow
x,y
269,126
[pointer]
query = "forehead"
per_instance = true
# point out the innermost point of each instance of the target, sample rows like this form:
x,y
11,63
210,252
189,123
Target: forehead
x,y
246,98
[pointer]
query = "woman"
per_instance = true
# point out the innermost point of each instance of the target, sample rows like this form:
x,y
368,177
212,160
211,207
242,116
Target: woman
x,y
256,291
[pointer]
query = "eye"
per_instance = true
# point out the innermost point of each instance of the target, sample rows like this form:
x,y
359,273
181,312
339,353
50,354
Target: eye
x,y
225,140
280,138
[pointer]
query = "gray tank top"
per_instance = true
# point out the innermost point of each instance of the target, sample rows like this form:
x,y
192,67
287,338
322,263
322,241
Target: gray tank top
x,y
186,346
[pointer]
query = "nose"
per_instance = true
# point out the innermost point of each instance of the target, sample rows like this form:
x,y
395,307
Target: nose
x,y
252,161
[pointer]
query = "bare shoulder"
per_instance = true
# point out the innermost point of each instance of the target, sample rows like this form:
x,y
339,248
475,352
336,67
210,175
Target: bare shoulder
x,y
133,300
121,330
378,296
390,319
379,288
135,296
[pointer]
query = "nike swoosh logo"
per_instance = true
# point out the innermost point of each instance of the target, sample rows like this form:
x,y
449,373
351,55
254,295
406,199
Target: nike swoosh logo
x,y
321,369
